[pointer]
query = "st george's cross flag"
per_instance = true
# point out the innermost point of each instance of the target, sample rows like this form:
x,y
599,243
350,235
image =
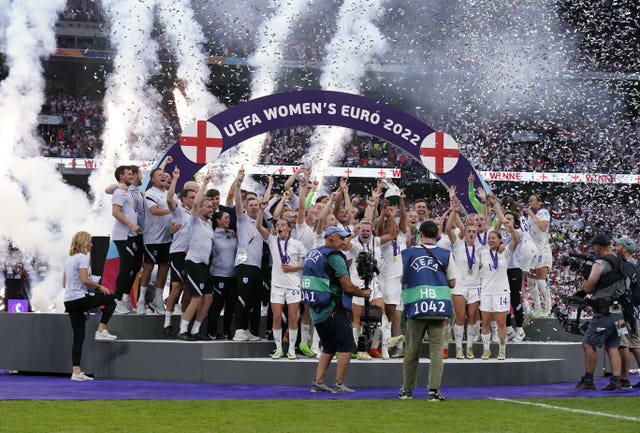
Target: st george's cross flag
x,y
439,152
201,142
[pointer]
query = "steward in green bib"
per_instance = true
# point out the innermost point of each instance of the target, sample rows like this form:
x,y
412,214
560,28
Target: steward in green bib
x,y
327,290
427,280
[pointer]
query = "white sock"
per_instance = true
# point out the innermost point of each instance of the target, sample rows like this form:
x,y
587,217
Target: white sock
x,y
305,333
355,334
494,327
196,327
377,338
126,300
277,338
532,287
293,336
159,293
184,326
471,334
315,344
167,319
486,340
143,292
386,330
546,293
446,335
458,332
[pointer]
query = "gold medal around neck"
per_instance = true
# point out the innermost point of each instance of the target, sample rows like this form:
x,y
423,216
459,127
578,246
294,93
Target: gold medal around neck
x,y
470,272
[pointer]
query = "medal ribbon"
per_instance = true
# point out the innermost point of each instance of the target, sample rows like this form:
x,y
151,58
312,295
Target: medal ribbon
x,y
494,259
470,258
283,254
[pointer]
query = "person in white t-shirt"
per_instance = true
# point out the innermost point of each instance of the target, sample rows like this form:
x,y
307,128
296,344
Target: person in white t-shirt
x,y
287,255
197,266
494,294
538,220
82,293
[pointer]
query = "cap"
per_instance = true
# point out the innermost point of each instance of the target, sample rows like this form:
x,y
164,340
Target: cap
x,y
428,225
626,241
601,239
335,229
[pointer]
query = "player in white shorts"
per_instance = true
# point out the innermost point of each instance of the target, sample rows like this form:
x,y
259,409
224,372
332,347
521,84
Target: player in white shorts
x,y
538,220
494,295
465,295
287,255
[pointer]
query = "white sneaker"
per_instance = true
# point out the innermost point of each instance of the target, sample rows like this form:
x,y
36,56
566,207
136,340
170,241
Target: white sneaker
x,y
251,337
104,335
486,354
277,354
140,308
519,336
121,308
158,306
292,355
241,335
394,341
80,377
364,356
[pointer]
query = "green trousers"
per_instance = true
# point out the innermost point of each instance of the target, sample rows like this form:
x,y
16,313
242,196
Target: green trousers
x,y
415,329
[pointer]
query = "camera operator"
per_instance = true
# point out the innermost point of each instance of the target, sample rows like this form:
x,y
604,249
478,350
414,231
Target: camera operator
x,y
327,290
605,284
365,250
625,247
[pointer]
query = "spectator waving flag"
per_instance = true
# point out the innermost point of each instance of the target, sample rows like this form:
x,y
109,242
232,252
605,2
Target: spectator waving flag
x,y
201,142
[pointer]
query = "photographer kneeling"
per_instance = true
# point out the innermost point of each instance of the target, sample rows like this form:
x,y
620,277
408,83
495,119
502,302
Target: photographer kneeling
x,y
605,284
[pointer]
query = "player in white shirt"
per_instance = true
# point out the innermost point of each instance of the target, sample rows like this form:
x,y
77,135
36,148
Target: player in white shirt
x,y
287,255
520,262
494,294
465,296
392,275
181,227
157,239
197,266
538,220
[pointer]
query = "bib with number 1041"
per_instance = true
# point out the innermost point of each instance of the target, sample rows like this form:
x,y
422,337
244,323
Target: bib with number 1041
x,y
427,301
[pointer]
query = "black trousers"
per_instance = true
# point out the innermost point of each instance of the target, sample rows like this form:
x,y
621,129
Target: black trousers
x,y
130,254
249,280
225,291
77,309
515,287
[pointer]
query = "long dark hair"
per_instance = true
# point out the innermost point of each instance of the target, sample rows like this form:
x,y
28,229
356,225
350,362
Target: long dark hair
x,y
216,216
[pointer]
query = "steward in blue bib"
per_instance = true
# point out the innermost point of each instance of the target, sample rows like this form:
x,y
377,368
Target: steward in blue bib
x,y
425,289
321,289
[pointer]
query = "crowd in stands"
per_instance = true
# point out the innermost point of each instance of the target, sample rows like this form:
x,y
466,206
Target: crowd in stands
x,y
78,135
610,36
78,131
83,10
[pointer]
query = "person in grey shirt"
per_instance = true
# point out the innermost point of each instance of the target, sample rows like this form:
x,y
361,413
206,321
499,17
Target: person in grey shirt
x,y
223,256
248,262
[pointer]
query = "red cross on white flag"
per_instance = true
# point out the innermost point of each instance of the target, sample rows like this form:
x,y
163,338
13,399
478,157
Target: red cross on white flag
x,y
201,142
439,152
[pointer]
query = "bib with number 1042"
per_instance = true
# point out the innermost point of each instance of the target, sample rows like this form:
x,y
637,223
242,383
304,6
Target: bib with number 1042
x,y
427,301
